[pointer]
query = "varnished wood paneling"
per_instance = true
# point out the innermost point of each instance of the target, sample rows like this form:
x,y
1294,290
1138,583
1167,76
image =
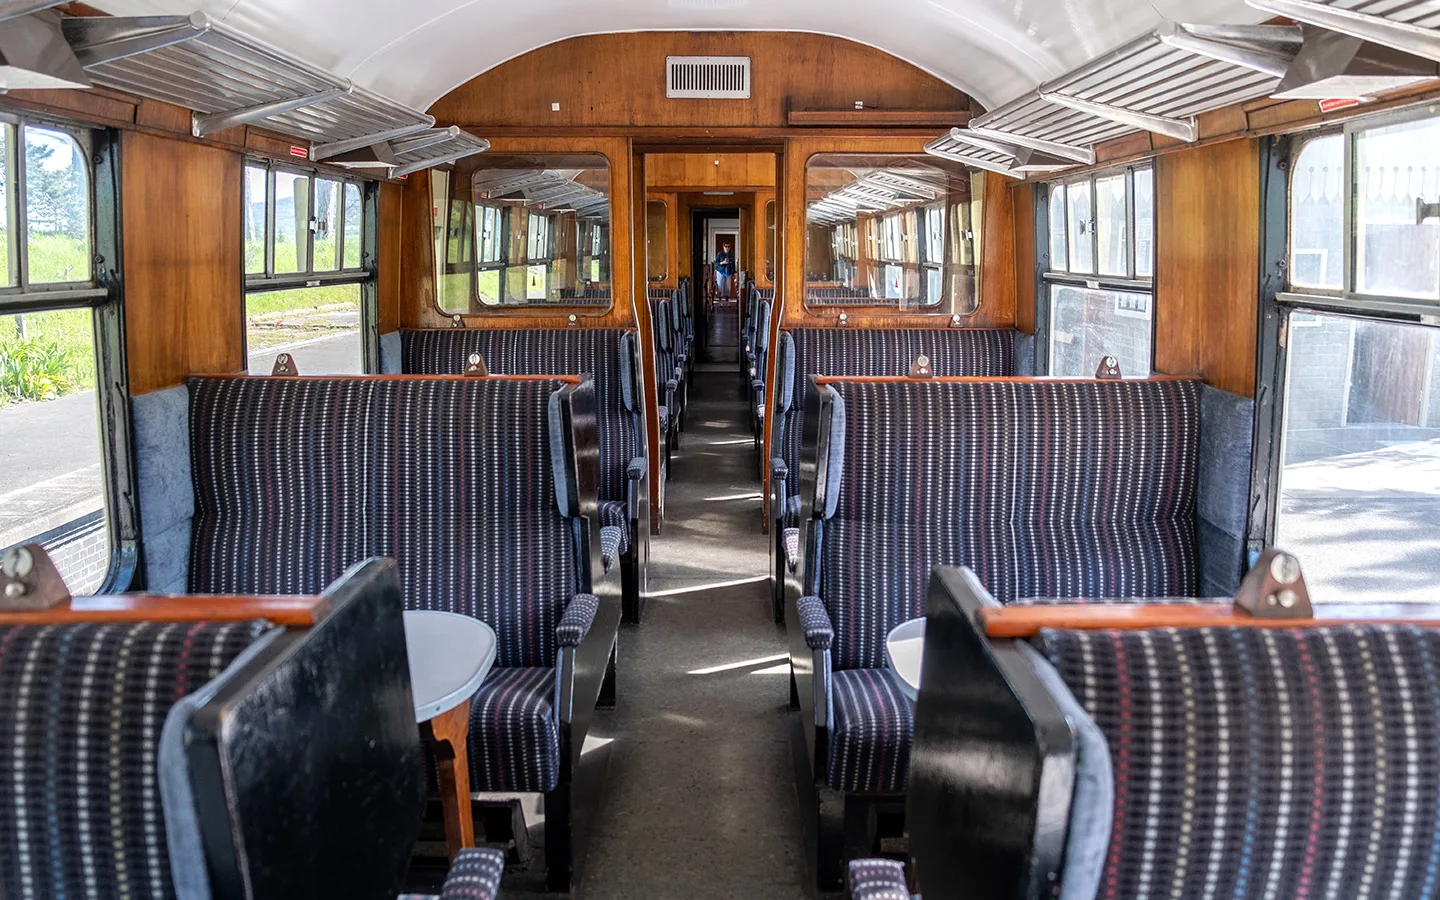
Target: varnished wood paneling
x,y
710,171
184,308
389,240
1023,199
1207,233
882,118
619,80
417,254
290,610
635,264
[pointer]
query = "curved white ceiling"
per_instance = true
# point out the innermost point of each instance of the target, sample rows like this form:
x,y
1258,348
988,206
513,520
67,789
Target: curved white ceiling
x,y
417,51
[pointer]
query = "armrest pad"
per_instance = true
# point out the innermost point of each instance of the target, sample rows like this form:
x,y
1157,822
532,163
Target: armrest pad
x,y
878,879
576,621
758,384
778,469
475,875
790,539
637,470
672,384
611,536
816,621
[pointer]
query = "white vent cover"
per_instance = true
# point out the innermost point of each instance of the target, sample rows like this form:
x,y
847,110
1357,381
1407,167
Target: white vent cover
x,y
707,77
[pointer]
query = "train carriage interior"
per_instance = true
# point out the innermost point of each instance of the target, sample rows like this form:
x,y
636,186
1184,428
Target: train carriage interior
x,y
959,449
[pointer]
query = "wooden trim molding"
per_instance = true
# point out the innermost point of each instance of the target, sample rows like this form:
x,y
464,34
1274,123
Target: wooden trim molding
x,y
290,611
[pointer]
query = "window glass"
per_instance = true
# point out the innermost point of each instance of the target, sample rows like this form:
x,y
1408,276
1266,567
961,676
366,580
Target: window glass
x,y
1396,167
1144,223
1059,260
657,240
327,225
52,483
254,224
1081,229
770,241
1112,231
7,253
535,232
440,222
891,231
1317,214
318,326
292,223
1360,483
1088,325
57,208
354,225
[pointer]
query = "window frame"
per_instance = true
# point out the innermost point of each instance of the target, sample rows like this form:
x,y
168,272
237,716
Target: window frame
x,y
1048,275
104,295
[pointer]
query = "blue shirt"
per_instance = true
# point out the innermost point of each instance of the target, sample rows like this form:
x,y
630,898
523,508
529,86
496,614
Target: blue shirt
x,y
723,261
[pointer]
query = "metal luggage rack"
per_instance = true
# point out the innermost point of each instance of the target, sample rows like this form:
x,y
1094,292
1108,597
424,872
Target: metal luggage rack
x,y
229,79
1162,81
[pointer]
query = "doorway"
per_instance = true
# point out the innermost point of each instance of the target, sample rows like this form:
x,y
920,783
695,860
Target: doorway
x,y
715,237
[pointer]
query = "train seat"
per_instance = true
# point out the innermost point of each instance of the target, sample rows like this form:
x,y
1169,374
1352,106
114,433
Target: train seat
x,y
804,352
669,376
483,489
151,754
758,358
598,352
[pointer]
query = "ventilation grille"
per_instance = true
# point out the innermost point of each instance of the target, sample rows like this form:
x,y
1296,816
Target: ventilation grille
x,y
707,77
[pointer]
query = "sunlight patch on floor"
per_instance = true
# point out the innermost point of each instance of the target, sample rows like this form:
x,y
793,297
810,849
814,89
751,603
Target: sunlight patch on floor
x,y
701,588
743,664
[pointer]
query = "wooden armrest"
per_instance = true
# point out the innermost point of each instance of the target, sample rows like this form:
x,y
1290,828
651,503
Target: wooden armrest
x,y
1026,621
291,611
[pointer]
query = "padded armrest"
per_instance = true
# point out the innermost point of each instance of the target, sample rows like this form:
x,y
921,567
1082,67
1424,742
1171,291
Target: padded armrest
x,y
790,539
758,384
815,620
778,469
576,621
878,879
475,875
638,469
611,536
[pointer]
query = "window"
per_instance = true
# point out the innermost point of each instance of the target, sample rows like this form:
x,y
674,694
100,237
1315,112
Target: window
x,y
770,241
1358,495
528,230
892,231
305,275
657,240
1099,291
59,343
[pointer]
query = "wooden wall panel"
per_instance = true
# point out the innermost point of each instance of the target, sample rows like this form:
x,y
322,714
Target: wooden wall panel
x,y
709,171
1207,233
1023,242
390,232
618,80
417,253
184,306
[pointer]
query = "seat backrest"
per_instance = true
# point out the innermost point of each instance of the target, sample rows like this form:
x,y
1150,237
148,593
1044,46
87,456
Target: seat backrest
x,y
544,351
464,481
1043,488
881,352
1262,762
665,349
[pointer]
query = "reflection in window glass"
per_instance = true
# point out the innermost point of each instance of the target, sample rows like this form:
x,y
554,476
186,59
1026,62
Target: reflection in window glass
x,y
327,225
254,223
1396,166
1144,223
292,223
7,257
1360,487
1317,214
1058,224
1111,227
1081,228
354,225
319,327
1088,325
892,231
52,486
57,208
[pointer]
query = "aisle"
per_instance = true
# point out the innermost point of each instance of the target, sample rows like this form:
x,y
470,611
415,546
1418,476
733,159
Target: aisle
x,y
700,799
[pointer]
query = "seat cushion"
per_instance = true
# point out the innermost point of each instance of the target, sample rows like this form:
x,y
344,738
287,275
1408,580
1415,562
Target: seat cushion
x,y
613,512
870,738
514,736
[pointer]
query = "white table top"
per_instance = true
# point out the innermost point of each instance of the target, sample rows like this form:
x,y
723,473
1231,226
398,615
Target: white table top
x,y
905,647
450,655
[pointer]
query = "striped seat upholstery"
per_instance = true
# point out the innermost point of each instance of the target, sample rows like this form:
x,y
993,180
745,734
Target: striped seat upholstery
x,y
297,479
856,351
566,351
1053,489
1264,763
474,875
82,708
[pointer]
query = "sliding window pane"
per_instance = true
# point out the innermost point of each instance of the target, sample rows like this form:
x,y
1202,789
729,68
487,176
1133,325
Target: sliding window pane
x,y
1360,486
1144,223
354,225
319,327
1081,231
7,182
327,225
292,223
1111,226
1396,168
1058,224
1086,326
52,485
1317,214
254,223
57,208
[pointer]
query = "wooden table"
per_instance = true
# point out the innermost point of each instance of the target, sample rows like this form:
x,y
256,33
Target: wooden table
x,y
450,655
